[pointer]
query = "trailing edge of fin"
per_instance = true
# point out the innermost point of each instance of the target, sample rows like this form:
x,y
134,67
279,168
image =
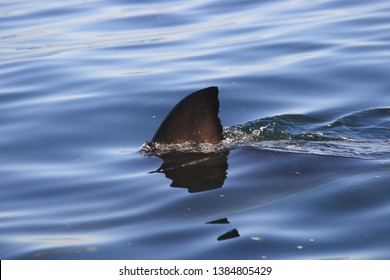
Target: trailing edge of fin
x,y
194,118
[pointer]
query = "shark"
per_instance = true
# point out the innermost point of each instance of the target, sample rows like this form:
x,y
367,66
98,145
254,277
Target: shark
x,y
193,120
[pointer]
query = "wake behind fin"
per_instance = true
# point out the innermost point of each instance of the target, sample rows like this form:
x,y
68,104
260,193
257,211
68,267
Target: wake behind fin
x,y
194,118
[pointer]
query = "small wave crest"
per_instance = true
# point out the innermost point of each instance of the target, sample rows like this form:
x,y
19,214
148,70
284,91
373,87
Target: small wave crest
x,y
362,134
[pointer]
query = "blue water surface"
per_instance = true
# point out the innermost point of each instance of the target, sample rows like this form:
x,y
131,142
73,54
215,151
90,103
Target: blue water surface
x,y
83,84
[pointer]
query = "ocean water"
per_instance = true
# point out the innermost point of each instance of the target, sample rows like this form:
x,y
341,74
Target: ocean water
x,y
304,99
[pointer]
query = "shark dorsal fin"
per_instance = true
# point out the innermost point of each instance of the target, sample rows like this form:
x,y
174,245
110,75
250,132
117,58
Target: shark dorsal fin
x,y
194,118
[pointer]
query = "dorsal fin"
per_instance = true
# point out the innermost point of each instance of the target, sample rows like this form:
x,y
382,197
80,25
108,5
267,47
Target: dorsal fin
x,y
194,118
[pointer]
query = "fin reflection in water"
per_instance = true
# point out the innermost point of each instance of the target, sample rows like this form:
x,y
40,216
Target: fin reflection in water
x,y
195,171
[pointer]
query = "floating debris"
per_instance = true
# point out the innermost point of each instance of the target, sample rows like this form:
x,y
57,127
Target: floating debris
x,y
256,238
229,235
219,221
